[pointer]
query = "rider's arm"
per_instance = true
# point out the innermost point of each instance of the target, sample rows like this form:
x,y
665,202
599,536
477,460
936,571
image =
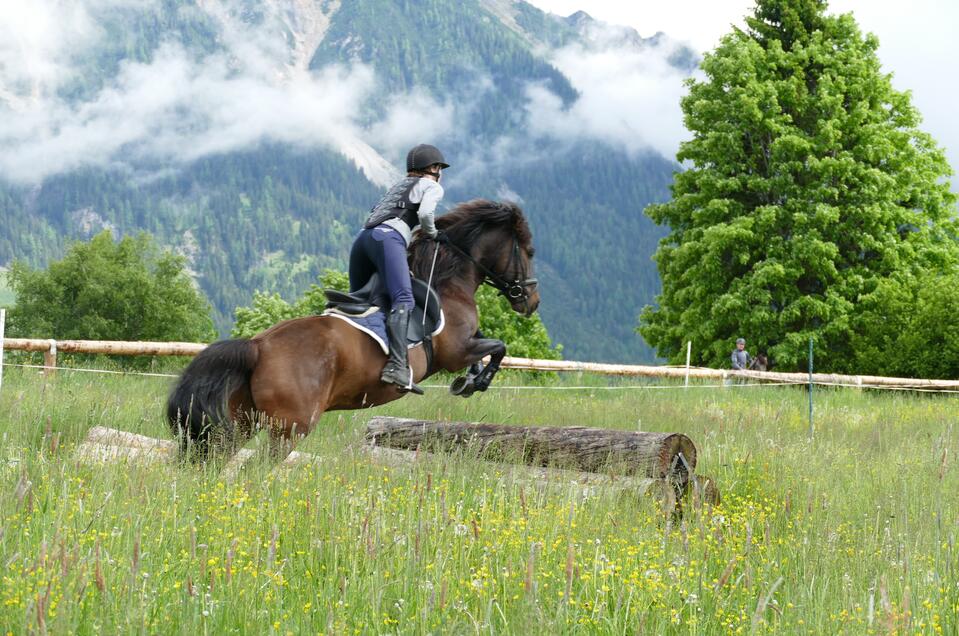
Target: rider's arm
x,y
431,194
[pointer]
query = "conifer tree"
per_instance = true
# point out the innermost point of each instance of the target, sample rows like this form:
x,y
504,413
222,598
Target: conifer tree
x,y
809,186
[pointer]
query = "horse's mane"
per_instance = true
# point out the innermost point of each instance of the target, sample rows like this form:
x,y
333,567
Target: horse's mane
x,y
464,225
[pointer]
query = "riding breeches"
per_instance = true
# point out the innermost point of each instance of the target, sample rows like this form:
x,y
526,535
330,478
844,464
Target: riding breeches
x,y
382,249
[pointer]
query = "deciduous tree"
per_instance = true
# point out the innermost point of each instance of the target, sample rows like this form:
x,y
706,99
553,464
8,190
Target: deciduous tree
x,y
108,290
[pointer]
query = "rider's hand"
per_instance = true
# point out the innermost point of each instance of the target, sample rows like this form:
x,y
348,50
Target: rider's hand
x,y
441,237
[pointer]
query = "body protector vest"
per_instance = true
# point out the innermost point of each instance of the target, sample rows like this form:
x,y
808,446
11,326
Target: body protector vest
x,y
396,204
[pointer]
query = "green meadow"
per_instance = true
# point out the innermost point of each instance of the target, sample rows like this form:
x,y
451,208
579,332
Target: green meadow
x,y
850,532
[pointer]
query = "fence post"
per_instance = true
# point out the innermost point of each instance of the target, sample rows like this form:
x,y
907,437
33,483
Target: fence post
x,y
3,322
810,389
50,359
689,350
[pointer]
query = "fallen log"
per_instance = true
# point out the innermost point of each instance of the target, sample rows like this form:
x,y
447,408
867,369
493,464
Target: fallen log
x,y
113,437
662,473
108,445
669,456
96,453
544,478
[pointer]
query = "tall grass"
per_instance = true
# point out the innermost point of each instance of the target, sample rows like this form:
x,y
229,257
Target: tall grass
x,y
850,532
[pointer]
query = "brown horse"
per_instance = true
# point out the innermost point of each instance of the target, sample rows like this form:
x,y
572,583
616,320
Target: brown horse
x,y
286,377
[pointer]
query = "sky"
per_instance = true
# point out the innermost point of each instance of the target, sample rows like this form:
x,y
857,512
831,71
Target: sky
x,y
918,42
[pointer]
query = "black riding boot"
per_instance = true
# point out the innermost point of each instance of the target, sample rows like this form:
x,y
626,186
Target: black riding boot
x,y
397,370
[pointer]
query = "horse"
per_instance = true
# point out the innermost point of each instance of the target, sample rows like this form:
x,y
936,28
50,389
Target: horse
x,y
759,363
286,377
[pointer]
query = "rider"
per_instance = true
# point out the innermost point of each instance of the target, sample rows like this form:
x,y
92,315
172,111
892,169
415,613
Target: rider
x,y
382,247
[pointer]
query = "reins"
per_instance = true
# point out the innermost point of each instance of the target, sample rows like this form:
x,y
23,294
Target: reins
x,y
514,290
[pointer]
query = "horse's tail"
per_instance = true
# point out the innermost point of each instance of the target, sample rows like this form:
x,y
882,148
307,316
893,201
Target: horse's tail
x,y
198,407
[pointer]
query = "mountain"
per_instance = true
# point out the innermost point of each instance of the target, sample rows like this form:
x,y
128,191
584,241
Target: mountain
x,y
253,137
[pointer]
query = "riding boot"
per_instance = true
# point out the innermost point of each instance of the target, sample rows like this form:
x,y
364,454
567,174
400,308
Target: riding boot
x,y
397,370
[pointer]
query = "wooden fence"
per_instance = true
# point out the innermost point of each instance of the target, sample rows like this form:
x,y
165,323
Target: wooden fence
x,y
50,348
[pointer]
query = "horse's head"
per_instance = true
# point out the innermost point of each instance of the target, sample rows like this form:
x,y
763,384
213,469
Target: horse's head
x,y
509,263
493,241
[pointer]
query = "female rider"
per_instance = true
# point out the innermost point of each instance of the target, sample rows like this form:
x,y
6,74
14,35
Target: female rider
x,y
382,247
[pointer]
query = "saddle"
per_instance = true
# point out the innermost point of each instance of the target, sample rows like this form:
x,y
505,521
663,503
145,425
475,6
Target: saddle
x,y
373,297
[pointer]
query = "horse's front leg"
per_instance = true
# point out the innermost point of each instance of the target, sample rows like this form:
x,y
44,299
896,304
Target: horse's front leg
x,y
479,378
486,375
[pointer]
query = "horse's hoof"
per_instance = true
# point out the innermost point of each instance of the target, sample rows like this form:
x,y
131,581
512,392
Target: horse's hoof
x,y
462,386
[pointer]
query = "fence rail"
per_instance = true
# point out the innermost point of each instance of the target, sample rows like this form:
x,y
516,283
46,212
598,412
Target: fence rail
x,y
50,348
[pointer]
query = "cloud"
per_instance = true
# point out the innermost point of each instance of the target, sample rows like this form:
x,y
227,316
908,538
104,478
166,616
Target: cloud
x,y
179,106
413,119
629,93
175,109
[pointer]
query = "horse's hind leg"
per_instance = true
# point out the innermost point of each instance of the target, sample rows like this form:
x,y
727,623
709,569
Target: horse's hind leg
x,y
287,427
289,412
242,411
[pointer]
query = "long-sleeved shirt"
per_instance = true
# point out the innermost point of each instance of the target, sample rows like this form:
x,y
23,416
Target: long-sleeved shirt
x,y
428,194
740,359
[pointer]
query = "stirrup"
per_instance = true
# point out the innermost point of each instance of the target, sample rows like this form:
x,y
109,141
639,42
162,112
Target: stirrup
x,y
408,387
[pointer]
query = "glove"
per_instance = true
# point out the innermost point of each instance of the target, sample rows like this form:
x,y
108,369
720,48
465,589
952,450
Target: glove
x,y
441,237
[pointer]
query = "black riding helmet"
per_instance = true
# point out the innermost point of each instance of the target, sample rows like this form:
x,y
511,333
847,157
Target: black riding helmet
x,y
423,156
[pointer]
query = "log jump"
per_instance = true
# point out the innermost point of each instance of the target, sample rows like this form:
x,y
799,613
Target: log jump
x,y
660,464
658,456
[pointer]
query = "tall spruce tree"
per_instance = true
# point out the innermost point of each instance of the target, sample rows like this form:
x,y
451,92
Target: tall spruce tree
x,y
809,186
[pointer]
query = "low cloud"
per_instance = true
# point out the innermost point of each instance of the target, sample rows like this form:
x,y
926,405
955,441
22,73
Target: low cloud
x,y
179,106
175,109
157,115
410,120
629,92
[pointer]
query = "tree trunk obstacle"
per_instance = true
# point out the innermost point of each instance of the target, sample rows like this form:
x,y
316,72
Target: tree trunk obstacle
x,y
669,456
661,465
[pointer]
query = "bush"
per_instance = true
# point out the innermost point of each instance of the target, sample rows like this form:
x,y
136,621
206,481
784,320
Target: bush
x,y
106,290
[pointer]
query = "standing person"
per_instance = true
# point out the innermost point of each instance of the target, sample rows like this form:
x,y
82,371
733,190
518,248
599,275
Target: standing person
x,y
741,357
381,246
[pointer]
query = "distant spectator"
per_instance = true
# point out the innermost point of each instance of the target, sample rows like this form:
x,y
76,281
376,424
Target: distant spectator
x,y
741,357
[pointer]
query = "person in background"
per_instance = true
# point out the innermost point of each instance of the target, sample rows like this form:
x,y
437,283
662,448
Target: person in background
x,y
741,357
382,247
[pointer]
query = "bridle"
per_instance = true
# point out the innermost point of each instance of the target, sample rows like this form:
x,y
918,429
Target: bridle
x,y
514,290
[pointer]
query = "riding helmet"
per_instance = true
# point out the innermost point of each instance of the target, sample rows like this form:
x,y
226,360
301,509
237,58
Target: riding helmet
x,y
423,156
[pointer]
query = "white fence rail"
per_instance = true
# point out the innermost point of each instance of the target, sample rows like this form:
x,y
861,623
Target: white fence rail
x,y
50,348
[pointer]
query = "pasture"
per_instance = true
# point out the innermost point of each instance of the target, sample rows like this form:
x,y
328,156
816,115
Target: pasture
x,y
853,532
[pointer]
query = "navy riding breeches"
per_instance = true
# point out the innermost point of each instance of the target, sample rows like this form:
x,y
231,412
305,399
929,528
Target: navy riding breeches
x,y
382,249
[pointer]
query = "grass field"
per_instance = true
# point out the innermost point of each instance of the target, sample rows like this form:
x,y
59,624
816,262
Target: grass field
x,y
853,532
